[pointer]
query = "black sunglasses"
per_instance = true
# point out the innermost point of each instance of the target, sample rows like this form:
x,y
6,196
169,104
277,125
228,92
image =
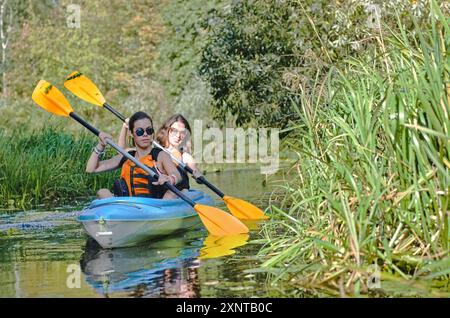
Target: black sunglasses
x,y
140,131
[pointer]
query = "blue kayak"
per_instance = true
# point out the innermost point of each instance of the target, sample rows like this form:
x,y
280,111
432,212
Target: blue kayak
x,y
128,221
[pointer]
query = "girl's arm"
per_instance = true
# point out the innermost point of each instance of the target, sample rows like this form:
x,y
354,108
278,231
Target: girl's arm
x,y
190,162
122,142
166,165
95,165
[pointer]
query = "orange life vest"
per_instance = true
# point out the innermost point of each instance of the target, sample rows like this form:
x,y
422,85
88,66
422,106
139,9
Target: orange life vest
x,y
139,183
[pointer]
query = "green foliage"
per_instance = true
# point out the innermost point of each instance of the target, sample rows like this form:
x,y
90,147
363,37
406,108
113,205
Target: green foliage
x,y
243,61
373,175
261,55
180,55
119,47
115,46
46,167
185,35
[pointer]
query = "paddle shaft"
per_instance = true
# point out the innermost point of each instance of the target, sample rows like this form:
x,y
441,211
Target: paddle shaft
x,y
185,167
96,132
115,112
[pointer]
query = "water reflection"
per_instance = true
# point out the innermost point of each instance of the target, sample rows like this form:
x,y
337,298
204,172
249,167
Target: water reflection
x,y
167,268
217,246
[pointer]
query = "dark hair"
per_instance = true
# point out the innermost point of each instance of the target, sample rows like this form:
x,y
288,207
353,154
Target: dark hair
x,y
137,116
162,136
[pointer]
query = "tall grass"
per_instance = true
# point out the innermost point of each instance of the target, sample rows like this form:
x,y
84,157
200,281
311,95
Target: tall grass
x,y
45,167
373,181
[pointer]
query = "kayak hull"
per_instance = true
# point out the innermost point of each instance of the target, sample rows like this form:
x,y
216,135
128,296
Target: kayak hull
x,y
129,221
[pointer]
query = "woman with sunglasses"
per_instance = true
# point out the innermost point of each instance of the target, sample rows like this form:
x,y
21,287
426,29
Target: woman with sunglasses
x,y
136,181
174,135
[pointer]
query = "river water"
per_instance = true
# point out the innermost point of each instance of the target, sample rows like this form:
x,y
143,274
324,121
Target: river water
x,y
46,253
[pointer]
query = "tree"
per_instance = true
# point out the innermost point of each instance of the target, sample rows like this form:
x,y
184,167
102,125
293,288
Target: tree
x,y
6,16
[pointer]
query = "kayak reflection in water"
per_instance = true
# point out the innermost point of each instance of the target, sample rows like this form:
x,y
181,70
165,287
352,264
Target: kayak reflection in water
x,y
134,181
167,268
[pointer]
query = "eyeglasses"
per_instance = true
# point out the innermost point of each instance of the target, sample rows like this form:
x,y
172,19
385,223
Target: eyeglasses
x,y
140,131
175,132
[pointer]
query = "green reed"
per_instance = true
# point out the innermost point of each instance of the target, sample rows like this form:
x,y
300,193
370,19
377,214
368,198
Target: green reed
x,y
46,167
372,181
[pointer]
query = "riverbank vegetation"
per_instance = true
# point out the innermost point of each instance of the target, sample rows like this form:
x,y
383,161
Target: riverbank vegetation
x,y
46,167
370,195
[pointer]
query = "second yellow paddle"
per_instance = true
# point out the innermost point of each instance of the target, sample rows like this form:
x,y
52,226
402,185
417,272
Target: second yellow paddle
x,y
83,88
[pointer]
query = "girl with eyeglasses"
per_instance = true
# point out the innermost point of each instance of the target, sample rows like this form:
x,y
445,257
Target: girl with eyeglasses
x,y
134,181
175,136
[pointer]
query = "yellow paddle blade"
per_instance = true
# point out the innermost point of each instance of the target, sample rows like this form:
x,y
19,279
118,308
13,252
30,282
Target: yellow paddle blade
x,y
51,99
217,246
243,209
218,222
83,88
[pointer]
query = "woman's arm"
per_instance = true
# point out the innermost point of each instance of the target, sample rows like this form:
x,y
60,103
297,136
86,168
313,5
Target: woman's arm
x,y
95,165
122,142
190,162
166,165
